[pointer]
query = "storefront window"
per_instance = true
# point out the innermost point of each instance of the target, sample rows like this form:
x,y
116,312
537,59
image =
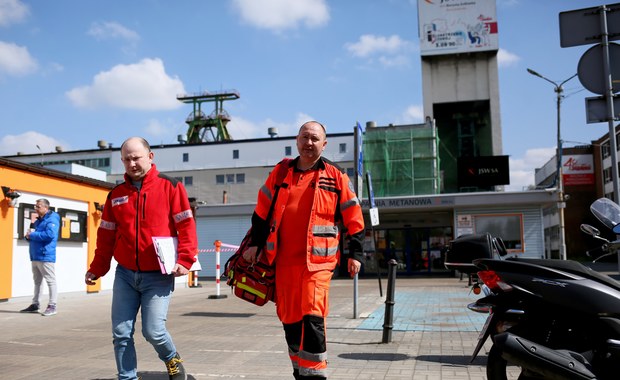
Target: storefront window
x,y
509,227
415,250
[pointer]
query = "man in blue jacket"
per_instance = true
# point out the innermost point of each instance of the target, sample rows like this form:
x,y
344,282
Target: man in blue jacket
x,y
43,236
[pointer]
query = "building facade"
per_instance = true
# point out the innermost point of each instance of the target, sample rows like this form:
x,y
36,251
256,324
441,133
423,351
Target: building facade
x,y
76,199
415,228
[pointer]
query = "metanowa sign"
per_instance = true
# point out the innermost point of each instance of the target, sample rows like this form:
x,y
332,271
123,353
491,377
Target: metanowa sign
x,y
457,26
410,202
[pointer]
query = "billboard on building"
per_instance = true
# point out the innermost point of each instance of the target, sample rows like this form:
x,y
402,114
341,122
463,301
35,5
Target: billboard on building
x,y
483,171
457,26
578,170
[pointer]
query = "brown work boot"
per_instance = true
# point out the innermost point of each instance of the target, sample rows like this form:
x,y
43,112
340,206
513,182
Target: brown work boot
x,y
175,368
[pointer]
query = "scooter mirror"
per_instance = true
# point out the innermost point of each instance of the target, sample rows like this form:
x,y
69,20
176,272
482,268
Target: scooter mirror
x,y
591,230
500,246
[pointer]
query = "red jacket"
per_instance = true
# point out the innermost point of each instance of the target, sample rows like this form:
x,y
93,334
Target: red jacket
x,y
131,217
334,203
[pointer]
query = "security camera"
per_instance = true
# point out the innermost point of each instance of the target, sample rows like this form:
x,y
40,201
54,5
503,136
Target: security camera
x,y
13,194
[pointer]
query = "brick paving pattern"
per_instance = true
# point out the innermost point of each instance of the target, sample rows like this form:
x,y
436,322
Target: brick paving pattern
x,y
433,336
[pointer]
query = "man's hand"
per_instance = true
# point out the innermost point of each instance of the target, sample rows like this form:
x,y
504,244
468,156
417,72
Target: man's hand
x,y
179,270
354,267
90,278
249,254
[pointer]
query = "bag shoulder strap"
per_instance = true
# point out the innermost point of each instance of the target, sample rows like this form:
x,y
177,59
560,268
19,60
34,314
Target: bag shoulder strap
x,y
280,176
282,170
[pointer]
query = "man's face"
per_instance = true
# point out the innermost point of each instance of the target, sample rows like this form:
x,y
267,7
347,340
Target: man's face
x,y
41,208
311,141
137,159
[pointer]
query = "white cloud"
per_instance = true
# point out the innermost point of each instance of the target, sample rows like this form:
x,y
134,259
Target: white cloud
x,y
164,131
12,11
240,128
27,143
278,15
399,60
112,30
369,44
522,169
506,58
389,51
16,60
414,114
156,128
141,86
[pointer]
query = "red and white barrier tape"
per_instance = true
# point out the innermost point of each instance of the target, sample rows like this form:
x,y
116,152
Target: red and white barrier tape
x,y
225,248
221,250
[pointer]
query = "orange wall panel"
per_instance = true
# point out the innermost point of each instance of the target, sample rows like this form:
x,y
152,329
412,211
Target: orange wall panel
x,y
46,186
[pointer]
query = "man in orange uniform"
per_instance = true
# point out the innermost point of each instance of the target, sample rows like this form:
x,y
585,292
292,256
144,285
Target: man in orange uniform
x,y
303,238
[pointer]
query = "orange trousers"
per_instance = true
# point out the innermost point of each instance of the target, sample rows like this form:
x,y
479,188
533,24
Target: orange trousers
x,y
302,307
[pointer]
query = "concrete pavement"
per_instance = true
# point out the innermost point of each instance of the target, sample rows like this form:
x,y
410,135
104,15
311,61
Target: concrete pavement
x,y
433,336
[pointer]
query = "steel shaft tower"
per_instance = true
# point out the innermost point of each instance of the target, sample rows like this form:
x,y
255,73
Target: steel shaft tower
x,y
204,128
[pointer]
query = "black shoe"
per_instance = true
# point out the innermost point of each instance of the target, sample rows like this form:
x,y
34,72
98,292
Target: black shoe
x,y
34,308
175,368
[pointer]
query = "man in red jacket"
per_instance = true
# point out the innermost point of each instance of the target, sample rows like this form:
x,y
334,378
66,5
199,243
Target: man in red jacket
x,y
315,199
148,204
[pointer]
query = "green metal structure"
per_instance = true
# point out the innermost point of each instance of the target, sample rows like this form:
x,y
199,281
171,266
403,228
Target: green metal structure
x,y
203,128
403,160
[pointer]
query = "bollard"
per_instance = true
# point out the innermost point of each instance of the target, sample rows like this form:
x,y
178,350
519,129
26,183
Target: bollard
x,y
218,245
389,302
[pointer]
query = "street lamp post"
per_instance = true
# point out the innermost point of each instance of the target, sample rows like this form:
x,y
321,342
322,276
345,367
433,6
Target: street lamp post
x,y
559,90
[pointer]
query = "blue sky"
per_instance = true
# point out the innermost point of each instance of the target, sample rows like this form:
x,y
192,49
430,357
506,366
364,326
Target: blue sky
x,y
73,72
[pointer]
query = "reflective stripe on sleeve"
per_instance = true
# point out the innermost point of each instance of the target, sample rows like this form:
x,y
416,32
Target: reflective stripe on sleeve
x,y
182,216
350,203
265,190
107,225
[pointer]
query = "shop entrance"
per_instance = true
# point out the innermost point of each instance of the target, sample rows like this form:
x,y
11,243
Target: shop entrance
x,y
416,250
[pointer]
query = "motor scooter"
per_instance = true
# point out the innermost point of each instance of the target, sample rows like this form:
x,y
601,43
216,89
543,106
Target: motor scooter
x,y
555,319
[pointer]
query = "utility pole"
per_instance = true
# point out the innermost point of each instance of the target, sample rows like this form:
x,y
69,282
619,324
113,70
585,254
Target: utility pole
x,y
559,90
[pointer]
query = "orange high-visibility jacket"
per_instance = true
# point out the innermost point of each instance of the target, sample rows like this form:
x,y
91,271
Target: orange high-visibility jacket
x,y
334,202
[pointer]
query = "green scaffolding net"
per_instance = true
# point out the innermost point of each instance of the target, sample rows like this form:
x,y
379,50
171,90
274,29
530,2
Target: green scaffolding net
x,y
402,160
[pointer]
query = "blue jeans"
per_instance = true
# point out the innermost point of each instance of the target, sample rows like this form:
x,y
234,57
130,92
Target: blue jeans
x,y
150,291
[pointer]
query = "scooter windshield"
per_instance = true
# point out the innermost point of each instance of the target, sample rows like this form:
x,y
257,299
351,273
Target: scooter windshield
x,y
607,212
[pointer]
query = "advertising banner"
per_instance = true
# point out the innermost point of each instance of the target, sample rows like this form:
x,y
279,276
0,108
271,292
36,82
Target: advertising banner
x,y
457,26
483,171
578,170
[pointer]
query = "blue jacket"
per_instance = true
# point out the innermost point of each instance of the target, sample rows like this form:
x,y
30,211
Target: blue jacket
x,y
44,237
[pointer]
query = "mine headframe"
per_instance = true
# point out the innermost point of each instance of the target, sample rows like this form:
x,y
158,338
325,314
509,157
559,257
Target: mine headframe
x,y
203,128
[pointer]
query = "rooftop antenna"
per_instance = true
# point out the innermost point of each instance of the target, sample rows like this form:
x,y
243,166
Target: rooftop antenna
x,y
204,128
39,148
